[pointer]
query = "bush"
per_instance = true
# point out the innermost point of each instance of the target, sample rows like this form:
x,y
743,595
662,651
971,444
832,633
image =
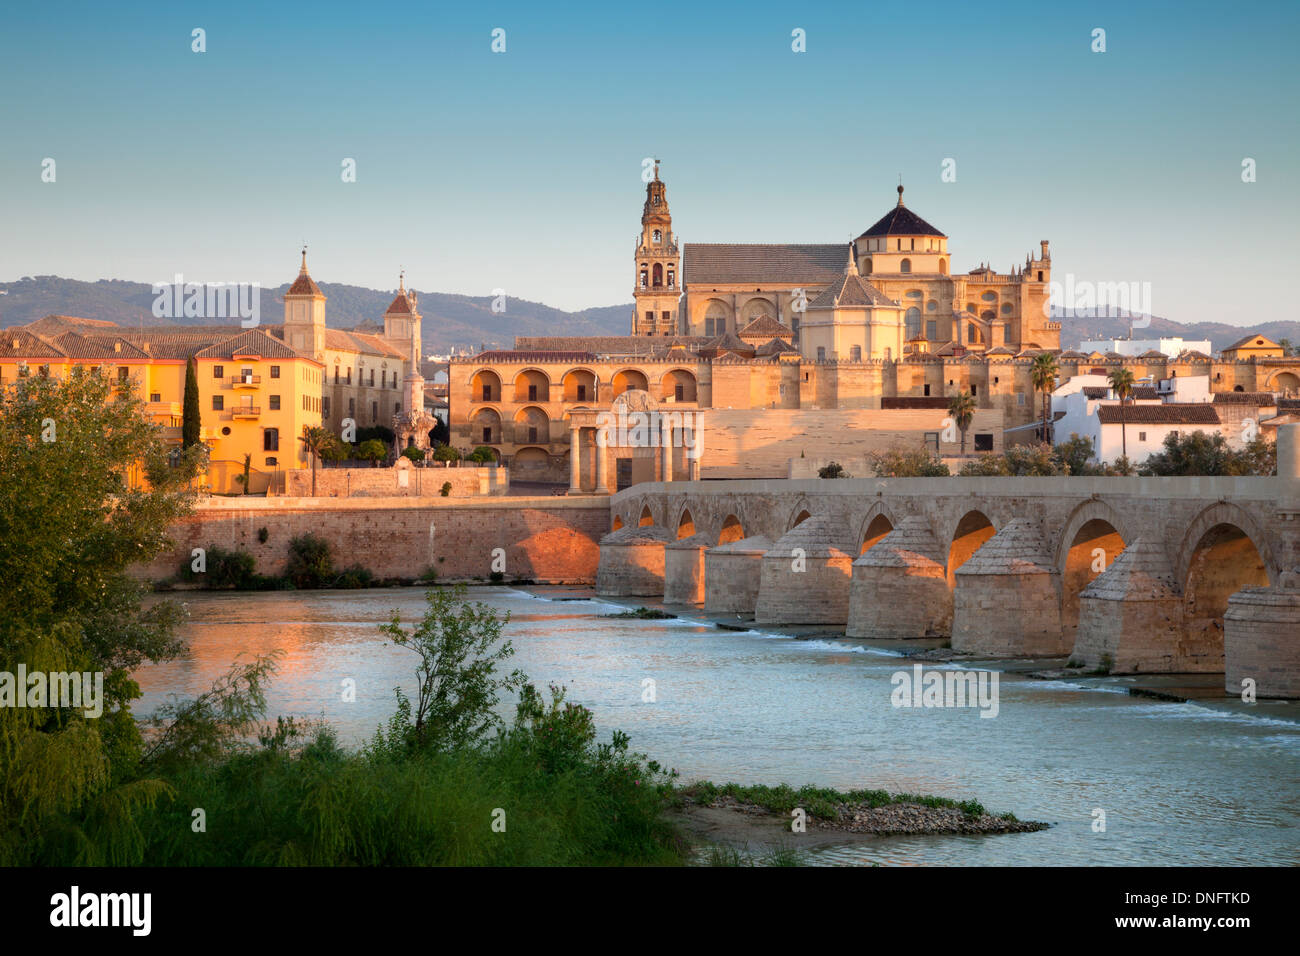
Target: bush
x,y
483,455
907,463
355,576
445,453
833,470
445,491
380,433
372,450
413,453
310,562
225,569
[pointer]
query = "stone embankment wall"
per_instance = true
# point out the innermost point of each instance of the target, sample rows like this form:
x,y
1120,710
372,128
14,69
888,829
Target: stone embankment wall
x,y
398,481
548,540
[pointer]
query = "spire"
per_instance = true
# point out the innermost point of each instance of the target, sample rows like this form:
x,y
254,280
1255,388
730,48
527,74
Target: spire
x,y
401,282
303,270
900,190
852,268
656,170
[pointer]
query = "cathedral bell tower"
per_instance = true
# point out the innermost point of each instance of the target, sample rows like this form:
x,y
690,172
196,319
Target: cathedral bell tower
x,y
658,265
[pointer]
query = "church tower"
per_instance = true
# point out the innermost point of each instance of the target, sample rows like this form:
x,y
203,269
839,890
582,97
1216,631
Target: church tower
x,y
304,314
657,265
402,321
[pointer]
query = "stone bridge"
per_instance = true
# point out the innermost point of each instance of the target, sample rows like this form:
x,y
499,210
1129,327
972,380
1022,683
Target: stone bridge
x,y
1135,575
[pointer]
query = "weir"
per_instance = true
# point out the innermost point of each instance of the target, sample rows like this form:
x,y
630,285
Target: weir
x,y
1135,575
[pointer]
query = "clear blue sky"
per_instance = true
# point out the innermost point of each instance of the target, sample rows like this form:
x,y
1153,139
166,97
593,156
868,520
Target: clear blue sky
x,y
522,170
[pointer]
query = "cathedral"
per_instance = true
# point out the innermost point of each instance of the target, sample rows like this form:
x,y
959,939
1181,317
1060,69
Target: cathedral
x,y
888,293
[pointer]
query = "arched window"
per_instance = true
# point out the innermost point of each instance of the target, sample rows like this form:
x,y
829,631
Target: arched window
x,y
905,265
659,237
855,353
943,267
658,274
912,323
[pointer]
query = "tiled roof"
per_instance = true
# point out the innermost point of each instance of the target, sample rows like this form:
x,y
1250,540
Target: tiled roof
x,y
252,342
766,327
728,342
775,347
1245,398
706,263
602,344
1192,355
17,342
304,284
851,291
507,356
1072,354
173,342
1255,341
901,221
1153,354
401,305
55,324
77,346
1172,414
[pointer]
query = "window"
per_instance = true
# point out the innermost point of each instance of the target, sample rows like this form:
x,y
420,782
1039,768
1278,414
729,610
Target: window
x,y
487,393
352,408
983,442
374,412
644,278
666,316
155,397
679,393
931,440
974,390
275,403
272,462
372,378
275,371
672,278
349,381
855,354
649,318
487,434
927,391
336,374
218,403
931,329
532,393
532,433
1020,398
821,353
218,371
271,439
1142,436
905,265
325,408
582,393
123,375
659,236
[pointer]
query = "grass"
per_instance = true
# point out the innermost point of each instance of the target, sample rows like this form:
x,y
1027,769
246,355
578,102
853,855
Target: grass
x,y
821,802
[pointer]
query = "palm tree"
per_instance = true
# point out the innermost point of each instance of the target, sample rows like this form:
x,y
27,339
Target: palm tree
x,y
316,439
1044,374
962,409
1121,383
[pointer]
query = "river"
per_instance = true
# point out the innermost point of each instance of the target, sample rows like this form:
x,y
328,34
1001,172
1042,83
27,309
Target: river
x,y
1194,783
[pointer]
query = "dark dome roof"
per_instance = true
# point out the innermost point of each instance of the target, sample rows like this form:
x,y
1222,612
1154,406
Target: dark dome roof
x,y
901,221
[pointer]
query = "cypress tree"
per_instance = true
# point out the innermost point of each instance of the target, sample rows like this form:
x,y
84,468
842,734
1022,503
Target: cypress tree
x,y
191,427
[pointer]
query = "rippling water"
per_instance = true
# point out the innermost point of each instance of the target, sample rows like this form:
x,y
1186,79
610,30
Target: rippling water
x,y
1179,783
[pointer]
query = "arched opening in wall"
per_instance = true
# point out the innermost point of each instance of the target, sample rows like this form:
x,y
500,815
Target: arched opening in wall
x,y
715,317
943,267
731,530
629,378
531,464
532,385
1224,561
800,518
485,427
647,518
618,523
532,426
905,266
1287,382
657,274
678,386
1094,548
686,526
912,323
485,386
579,385
972,531
875,533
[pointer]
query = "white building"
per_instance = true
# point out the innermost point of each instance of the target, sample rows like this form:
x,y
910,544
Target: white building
x,y
1134,347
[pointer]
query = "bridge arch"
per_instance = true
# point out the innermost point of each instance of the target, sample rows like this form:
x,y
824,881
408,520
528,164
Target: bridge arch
x,y
618,523
1094,536
685,523
798,515
874,526
968,536
1222,552
732,530
646,518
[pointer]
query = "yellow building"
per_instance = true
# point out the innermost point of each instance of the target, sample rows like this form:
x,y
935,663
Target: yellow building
x,y
1253,346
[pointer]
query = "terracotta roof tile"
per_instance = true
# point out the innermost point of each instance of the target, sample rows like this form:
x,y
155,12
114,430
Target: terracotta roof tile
x,y
707,263
1172,414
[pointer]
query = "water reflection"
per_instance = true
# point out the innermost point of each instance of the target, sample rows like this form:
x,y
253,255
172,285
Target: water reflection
x,y
1179,783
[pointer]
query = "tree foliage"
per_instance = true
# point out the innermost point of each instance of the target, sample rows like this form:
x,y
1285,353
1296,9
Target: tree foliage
x,y
904,462
1204,453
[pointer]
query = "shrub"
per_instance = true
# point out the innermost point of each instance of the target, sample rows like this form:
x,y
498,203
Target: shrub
x,y
413,453
224,569
372,450
445,491
907,463
310,563
355,576
833,470
483,455
262,535
445,453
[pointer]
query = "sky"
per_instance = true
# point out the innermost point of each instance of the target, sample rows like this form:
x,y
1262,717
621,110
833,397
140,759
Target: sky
x,y
521,170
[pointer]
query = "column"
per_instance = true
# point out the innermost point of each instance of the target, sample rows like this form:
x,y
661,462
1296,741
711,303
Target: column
x,y
602,462
666,449
575,466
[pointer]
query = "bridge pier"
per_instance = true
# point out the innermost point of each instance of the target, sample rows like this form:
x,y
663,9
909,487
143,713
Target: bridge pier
x,y
1006,602
1261,639
806,575
632,562
899,589
684,570
732,574
1131,617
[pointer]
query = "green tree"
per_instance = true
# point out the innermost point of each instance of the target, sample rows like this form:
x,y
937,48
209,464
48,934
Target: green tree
x,y
458,675
372,450
316,440
483,455
1121,383
1203,453
902,462
72,522
962,409
446,453
1043,374
310,564
191,419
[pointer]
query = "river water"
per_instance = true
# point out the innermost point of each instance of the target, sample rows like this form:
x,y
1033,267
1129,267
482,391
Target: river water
x,y
1208,783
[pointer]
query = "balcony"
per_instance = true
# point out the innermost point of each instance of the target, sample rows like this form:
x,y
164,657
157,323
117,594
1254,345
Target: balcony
x,y
245,381
245,411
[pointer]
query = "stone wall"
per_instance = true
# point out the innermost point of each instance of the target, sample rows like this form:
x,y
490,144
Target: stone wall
x,y
398,481
549,540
